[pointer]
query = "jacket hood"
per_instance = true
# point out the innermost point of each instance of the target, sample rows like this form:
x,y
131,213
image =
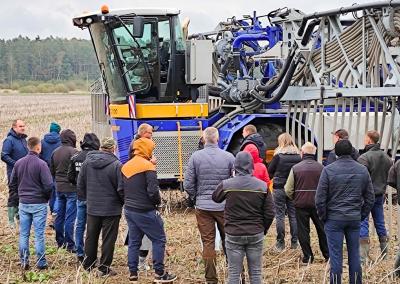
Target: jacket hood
x,y
90,142
373,147
68,137
244,164
14,134
100,159
52,138
256,138
143,147
253,151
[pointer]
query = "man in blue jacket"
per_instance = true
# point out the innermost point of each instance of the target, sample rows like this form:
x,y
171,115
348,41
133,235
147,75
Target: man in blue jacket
x,y
30,186
50,142
344,197
14,148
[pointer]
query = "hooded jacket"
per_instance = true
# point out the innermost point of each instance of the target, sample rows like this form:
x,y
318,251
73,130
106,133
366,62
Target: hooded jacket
x,y
345,191
14,148
60,160
98,182
260,170
378,165
206,169
139,179
302,182
249,209
50,142
90,143
257,140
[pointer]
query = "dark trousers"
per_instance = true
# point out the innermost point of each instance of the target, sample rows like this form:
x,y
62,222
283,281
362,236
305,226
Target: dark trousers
x,y
206,221
303,216
335,232
282,205
150,224
108,226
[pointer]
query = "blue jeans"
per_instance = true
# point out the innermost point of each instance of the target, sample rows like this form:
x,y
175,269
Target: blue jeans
x,y
65,220
335,231
237,247
36,214
378,217
149,224
80,226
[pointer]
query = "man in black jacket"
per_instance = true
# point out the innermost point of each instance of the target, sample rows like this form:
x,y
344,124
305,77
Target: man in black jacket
x,y
394,181
344,197
251,136
65,191
378,164
249,212
98,180
300,187
338,135
90,143
142,196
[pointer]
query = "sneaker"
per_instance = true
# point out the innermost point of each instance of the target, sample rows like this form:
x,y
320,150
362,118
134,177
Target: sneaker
x,y
165,278
279,247
107,273
294,245
80,259
44,267
133,277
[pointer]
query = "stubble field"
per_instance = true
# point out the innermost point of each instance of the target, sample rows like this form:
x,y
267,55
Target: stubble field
x,y
183,248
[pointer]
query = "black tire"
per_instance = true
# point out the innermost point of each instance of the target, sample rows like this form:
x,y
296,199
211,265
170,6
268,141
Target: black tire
x,y
269,132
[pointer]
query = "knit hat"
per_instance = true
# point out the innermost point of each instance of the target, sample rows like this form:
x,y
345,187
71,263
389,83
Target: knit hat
x,y
54,127
107,143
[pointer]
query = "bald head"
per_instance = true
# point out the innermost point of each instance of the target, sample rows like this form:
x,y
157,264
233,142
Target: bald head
x,y
211,135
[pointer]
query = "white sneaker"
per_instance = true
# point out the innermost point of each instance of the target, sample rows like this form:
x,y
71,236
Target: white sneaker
x,y
143,267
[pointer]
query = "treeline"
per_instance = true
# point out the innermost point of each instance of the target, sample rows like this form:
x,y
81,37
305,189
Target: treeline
x,y
49,59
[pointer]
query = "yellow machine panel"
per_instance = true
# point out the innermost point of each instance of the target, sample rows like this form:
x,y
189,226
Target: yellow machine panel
x,y
172,110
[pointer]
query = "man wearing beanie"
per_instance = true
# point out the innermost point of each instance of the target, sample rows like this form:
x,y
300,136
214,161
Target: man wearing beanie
x,y
344,197
50,142
98,181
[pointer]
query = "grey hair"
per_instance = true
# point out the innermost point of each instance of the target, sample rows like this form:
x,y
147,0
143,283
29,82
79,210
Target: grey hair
x,y
309,148
211,135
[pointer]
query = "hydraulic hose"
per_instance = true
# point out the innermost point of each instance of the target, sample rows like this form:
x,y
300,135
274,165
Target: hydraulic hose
x,y
285,85
309,30
272,86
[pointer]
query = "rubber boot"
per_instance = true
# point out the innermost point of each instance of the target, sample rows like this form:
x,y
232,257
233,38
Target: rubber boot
x,y
211,270
397,265
11,212
364,250
384,244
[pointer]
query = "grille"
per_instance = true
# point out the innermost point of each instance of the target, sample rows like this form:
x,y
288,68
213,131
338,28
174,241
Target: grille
x,y
166,151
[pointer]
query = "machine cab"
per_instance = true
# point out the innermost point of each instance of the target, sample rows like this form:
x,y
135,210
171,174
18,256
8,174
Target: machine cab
x,y
141,52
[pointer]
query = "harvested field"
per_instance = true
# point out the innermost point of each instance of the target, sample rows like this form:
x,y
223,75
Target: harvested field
x,y
183,248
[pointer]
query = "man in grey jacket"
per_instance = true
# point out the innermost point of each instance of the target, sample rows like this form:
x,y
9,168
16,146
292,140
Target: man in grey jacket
x,y
206,169
378,164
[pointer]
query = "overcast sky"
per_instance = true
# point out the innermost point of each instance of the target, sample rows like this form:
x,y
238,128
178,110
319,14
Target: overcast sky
x,y
53,17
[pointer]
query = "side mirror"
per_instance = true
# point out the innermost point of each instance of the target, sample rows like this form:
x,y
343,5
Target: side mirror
x,y
138,26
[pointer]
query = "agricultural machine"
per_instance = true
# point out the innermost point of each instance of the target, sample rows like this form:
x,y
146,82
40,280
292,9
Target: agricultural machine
x,y
307,74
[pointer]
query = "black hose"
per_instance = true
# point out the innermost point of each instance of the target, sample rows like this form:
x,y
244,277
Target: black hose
x,y
309,30
272,87
226,65
285,85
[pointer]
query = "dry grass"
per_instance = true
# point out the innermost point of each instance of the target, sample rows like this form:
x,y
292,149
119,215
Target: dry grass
x,y
183,251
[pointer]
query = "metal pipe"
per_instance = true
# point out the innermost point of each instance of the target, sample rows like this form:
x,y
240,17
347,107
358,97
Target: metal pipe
x,y
343,113
351,116
313,121
294,117
321,132
300,120
385,102
359,106
336,114
288,116
386,148
376,122
306,124
367,109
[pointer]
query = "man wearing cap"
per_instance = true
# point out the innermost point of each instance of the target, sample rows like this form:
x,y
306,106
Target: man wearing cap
x,y
338,135
50,142
344,197
98,180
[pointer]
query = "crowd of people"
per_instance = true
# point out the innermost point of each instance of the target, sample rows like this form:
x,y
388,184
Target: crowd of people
x,y
239,196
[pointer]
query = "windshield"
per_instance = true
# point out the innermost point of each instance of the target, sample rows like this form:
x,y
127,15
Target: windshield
x,y
108,63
